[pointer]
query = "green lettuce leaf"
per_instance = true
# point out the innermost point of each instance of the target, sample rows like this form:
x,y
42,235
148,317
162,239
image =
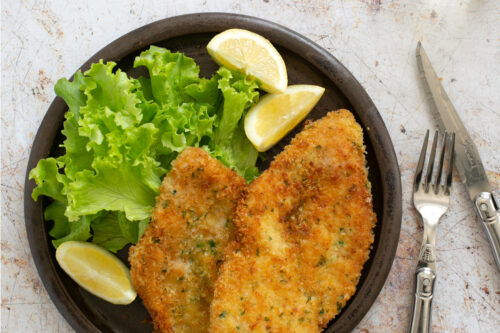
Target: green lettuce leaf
x,y
121,135
113,231
115,188
72,92
170,73
230,143
78,231
107,232
115,91
131,230
77,157
63,230
239,94
55,212
48,179
205,92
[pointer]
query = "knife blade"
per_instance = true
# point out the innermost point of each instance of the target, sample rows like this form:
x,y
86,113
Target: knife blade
x,y
467,159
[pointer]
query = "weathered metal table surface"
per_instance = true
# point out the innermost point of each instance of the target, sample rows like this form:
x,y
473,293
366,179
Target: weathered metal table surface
x,y
45,40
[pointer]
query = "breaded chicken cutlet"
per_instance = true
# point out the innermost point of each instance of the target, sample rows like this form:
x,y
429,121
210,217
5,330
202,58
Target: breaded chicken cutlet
x,y
304,232
175,263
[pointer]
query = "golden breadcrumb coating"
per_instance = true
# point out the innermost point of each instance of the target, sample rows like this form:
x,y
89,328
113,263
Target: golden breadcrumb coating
x,y
304,232
175,263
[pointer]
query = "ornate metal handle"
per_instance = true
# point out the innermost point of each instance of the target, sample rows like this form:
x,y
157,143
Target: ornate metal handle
x,y
487,210
424,292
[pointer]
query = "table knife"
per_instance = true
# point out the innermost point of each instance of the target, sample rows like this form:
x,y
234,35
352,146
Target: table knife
x,y
467,159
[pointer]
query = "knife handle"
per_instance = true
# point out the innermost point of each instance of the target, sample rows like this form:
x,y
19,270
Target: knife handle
x,y
487,210
422,304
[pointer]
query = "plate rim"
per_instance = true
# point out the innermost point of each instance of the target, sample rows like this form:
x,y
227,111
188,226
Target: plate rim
x,y
323,60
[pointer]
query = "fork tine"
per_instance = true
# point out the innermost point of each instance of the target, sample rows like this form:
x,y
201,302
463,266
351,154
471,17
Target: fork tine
x,y
421,160
440,169
449,178
431,162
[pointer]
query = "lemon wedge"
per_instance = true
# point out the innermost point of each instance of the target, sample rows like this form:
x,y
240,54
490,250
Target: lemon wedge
x,y
275,115
252,54
97,271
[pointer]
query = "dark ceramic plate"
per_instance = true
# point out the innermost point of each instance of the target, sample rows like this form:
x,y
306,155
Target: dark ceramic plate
x,y
306,63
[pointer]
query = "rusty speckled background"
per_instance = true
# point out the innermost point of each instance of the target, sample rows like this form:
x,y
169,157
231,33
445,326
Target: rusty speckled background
x,y
42,41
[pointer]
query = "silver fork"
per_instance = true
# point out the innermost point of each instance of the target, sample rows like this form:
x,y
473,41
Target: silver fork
x,y
431,199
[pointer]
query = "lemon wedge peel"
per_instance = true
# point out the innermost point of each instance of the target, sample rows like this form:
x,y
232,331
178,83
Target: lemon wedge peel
x,y
275,115
251,54
97,271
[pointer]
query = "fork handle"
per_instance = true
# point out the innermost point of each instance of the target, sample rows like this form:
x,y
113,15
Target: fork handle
x,y
422,303
487,210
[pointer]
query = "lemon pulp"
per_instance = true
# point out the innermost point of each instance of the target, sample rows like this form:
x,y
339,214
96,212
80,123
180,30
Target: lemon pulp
x,y
275,115
97,271
252,54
